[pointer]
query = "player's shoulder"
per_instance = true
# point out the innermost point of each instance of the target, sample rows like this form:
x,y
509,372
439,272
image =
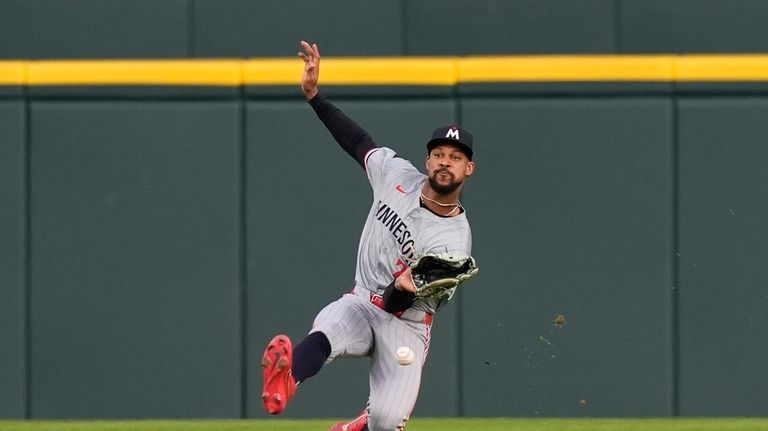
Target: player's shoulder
x,y
379,155
384,161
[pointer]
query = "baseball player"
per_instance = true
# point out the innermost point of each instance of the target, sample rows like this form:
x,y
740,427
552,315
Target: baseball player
x,y
412,214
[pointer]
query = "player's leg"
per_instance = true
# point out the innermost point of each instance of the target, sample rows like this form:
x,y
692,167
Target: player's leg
x,y
395,387
339,329
309,356
346,323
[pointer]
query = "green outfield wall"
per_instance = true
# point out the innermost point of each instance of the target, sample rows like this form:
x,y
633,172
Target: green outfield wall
x,y
169,202
156,236
261,28
13,258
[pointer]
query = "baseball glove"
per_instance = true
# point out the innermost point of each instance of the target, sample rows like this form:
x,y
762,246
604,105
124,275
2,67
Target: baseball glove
x,y
434,275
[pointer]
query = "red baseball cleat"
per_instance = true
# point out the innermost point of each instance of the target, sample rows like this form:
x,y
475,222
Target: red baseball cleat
x,y
279,385
356,424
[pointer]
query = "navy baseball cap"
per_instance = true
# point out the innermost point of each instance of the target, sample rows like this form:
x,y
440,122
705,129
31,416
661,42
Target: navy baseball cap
x,y
454,135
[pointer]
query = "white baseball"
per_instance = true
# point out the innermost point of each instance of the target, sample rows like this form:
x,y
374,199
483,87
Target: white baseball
x,y
404,355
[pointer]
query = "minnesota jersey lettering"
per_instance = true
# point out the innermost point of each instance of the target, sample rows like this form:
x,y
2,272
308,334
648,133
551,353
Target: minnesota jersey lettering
x,y
389,218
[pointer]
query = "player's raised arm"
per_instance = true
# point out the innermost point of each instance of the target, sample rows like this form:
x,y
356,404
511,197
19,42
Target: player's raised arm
x,y
311,57
348,134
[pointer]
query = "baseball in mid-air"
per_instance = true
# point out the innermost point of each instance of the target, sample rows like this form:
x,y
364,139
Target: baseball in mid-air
x,y
404,355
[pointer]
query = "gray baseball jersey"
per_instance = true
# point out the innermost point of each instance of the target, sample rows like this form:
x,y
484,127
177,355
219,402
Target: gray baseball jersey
x,y
397,231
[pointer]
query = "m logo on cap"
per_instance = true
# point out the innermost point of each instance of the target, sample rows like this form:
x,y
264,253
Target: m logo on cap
x,y
452,136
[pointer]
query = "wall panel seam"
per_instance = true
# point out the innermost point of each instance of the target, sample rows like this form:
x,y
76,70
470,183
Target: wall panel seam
x,y
243,252
27,277
675,264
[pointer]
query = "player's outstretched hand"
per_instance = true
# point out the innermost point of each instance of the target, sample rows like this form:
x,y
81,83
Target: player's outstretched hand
x,y
311,57
404,282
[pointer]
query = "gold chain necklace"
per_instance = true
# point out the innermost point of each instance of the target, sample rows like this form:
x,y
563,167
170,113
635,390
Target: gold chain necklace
x,y
456,204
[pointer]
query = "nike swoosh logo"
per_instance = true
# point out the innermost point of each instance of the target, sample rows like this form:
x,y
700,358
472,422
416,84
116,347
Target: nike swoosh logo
x,y
400,189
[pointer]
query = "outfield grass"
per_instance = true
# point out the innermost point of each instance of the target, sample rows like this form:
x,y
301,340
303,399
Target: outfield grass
x,y
417,424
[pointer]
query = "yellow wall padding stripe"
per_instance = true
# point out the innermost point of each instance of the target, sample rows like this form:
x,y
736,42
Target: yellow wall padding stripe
x,y
12,73
147,72
722,68
275,71
438,71
566,68
357,71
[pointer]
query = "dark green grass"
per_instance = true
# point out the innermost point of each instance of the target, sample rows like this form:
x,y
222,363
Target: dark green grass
x,y
417,424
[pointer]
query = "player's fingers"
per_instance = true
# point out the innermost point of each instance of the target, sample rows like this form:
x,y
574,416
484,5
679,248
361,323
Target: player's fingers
x,y
308,51
316,51
307,60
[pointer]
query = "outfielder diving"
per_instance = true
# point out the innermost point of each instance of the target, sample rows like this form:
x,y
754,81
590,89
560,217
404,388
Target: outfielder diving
x,y
414,251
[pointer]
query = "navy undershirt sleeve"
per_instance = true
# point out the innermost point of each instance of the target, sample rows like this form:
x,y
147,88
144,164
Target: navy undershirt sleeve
x,y
348,134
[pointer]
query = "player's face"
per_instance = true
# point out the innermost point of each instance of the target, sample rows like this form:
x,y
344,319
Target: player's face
x,y
447,168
